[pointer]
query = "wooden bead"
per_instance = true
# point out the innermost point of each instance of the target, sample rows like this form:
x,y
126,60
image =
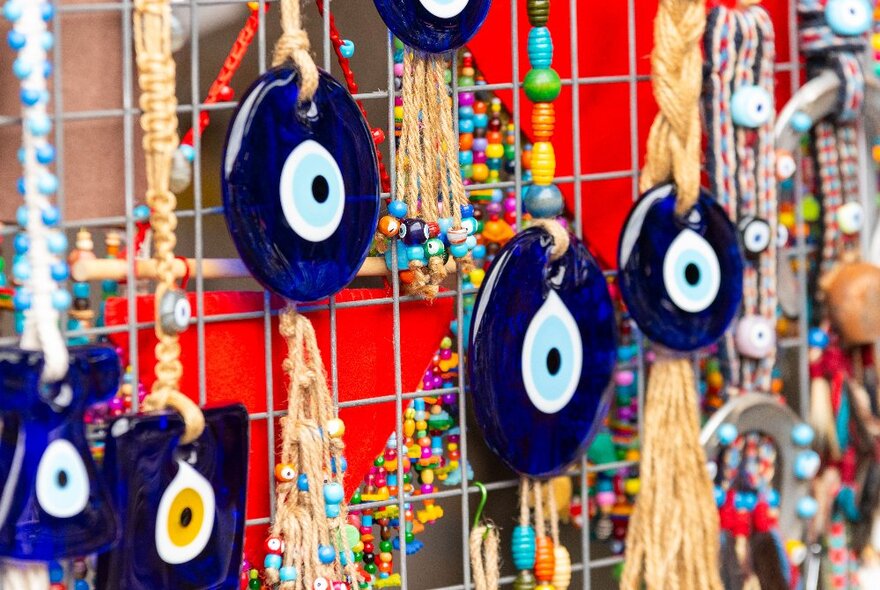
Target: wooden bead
x,y
523,547
562,570
542,85
524,581
538,11
543,121
543,163
545,561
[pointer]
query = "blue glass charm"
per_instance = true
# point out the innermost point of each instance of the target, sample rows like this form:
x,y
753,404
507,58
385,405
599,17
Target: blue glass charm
x,y
434,26
542,350
300,185
681,279
182,507
53,504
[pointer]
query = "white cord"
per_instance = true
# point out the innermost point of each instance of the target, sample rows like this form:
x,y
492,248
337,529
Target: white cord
x,y
41,329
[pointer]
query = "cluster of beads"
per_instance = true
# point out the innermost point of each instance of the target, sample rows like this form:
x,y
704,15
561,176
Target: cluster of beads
x,y
37,266
80,571
542,86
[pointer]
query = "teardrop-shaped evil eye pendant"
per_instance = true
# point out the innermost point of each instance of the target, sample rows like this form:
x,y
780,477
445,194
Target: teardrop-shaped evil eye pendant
x,y
681,278
542,350
300,185
434,26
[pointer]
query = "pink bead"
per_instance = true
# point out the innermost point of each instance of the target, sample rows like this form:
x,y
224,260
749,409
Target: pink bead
x,y
624,378
479,157
117,404
427,488
510,204
626,413
398,69
650,356
465,99
446,354
605,499
398,101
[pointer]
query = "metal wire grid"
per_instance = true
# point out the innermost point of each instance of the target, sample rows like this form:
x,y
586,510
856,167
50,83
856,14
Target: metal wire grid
x,y
129,113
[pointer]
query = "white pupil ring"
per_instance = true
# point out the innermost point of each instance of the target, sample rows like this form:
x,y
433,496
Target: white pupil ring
x,y
444,8
312,191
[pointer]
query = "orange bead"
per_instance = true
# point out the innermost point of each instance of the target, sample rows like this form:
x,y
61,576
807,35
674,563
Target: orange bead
x,y
465,141
284,473
494,137
389,226
543,121
545,562
407,277
479,107
385,567
527,159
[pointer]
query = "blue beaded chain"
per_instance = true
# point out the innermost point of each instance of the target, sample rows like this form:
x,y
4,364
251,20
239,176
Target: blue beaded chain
x,y
38,264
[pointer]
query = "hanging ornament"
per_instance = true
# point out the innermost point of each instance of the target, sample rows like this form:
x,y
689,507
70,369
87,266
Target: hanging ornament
x,y
300,183
179,478
680,275
542,351
679,260
433,26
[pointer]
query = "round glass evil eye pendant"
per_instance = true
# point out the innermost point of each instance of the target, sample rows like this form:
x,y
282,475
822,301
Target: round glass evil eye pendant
x,y
300,185
681,279
434,26
542,350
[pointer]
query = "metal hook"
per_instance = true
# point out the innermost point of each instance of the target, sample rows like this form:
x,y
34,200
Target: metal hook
x,y
484,494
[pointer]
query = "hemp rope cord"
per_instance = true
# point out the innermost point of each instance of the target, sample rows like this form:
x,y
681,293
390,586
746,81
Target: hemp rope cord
x,y
156,71
524,501
559,234
672,539
540,528
300,518
294,45
742,163
484,543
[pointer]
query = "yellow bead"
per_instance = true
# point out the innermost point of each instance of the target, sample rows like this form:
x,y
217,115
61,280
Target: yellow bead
x,y
476,276
875,153
254,5
875,41
715,380
562,569
421,425
787,218
495,150
335,428
452,446
543,163
385,556
398,113
632,486
480,172
409,427
427,476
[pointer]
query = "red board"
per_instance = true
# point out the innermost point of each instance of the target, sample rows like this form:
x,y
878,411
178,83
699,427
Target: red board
x,y
604,103
235,368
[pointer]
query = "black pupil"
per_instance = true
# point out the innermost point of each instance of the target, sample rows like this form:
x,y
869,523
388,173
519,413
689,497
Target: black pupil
x,y
692,274
320,189
186,517
554,361
62,479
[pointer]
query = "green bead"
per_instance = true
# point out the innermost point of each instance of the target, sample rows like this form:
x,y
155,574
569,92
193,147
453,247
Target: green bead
x,y
371,568
385,547
524,581
601,450
380,461
467,171
447,76
254,584
359,556
398,44
410,537
509,151
542,85
538,11
356,497
465,80
811,209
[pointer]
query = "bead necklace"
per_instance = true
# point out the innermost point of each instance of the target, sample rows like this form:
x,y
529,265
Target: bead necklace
x,y
542,86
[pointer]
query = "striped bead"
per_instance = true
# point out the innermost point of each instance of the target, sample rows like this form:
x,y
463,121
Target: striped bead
x,y
562,570
538,11
540,48
524,581
543,121
523,547
545,561
543,163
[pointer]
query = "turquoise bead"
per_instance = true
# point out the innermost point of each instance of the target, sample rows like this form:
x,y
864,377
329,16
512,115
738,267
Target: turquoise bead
x,y
542,85
543,201
465,158
61,300
57,243
727,433
287,573
481,120
458,250
806,464
540,48
326,554
397,209
522,546
751,106
807,507
416,252
347,49
81,290
801,122
402,258
272,561
802,435
59,271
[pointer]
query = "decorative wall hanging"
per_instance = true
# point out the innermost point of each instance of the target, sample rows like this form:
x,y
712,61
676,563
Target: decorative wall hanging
x,y
54,505
182,507
430,208
738,105
301,191
542,351
541,561
433,26
300,181
697,250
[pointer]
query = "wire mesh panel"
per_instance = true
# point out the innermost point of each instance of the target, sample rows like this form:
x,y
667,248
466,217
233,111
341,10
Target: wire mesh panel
x,y
606,102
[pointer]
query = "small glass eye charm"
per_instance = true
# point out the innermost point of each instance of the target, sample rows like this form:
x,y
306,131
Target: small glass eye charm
x,y
681,278
751,106
755,234
321,584
850,218
274,545
785,165
849,18
434,26
174,311
284,473
755,337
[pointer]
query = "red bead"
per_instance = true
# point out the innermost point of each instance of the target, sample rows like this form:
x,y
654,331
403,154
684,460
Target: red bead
x,y
378,135
274,545
226,93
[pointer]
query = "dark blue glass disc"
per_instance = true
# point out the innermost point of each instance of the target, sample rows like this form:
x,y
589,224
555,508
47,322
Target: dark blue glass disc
x,y
542,350
300,185
53,505
434,26
681,279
